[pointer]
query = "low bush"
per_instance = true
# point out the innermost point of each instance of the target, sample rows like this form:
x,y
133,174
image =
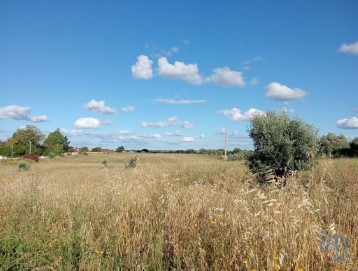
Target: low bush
x,y
24,165
133,162
31,156
104,162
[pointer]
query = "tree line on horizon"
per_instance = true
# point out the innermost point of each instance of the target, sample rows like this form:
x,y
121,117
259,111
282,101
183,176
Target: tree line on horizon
x,y
30,139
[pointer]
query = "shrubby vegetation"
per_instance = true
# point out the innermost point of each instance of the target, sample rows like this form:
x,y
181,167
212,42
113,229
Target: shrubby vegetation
x,y
120,149
281,145
133,162
31,157
96,149
104,162
31,140
332,145
56,143
24,165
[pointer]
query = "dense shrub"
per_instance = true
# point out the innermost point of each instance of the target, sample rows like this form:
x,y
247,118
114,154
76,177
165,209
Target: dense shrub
x,y
51,155
281,145
24,165
133,162
104,162
31,156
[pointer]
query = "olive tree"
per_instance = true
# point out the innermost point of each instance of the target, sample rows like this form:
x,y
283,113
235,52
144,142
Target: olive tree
x,y
281,144
332,144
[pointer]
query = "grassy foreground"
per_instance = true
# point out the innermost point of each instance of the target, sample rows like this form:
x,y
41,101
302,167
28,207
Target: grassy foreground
x,y
175,212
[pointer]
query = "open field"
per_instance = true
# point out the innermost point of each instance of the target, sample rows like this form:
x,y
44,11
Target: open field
x,y
175,212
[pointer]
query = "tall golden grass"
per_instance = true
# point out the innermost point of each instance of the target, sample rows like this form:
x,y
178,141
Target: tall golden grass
x,y
174,212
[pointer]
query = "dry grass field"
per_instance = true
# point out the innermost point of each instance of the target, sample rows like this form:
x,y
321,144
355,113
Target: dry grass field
x,y
175,212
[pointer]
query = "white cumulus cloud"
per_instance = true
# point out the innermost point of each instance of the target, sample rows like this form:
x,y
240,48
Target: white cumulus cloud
x,y
186,124
221,131
74,132
41,118
351,123
186,72
188,139
20,113
127,109
281,92
189,72
179,101
349,48
87,123
142,69
99,106
15,112
172,121
236,114
227,78
176,133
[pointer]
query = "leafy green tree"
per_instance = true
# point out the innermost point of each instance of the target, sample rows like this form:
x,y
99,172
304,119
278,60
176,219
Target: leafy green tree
x,y
120,149
11,142
281,144
96,149
84,149
354,147
5,149
28,140
332,144
56,143
66,144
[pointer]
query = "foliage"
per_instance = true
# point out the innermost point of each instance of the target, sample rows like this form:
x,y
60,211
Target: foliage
x,y
331,144
134,162
104,162
56,143
26,140
120,149
354,147
5,149
84,149
71,149
96,149
24,165
238,155
281,144
31,156
51,155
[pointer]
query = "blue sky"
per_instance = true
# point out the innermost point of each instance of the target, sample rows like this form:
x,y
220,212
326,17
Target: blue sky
x,y
174,74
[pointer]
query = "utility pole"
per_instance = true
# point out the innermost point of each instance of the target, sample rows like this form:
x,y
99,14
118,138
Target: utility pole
x,y
225,132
